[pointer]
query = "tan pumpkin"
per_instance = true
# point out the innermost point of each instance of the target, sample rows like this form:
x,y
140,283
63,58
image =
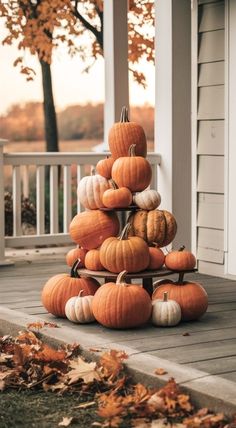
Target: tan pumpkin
x,y
125,133
92,260
165,312
148,199
78,309
123,253
104,167
75,254
117,197
132,171
90,228
157,258
121,305
90,190
153,226
191,296
60,288
180,260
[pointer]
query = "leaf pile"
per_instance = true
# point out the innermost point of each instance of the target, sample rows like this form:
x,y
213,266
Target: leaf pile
x,y
28,363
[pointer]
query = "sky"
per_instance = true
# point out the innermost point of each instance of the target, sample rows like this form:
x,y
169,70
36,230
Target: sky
x,y
71,85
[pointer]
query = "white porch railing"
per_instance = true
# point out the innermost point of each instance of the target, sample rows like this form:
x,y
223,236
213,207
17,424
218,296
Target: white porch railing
x,y
19,177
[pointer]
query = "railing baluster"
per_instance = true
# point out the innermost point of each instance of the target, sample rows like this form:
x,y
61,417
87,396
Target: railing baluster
x,y
67,209
25,180
80,174
53,199
16,196
40,199
153,184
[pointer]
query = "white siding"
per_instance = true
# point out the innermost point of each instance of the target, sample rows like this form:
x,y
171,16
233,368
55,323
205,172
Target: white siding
x,y
211,137
211,46
211,174
211,73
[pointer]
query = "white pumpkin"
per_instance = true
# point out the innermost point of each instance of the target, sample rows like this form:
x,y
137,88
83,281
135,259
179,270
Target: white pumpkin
x,y
165,313
90,191
78,309
148,199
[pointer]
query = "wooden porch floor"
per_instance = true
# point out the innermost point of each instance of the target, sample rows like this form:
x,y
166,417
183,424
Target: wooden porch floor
x,y
208,344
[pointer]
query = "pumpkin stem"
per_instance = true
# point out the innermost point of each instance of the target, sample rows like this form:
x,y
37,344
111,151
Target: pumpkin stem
x,y
165,296
182,248
124,117
155,244
73,272
92,170
181,278
121,278
125,231
81,293
131,151
113,184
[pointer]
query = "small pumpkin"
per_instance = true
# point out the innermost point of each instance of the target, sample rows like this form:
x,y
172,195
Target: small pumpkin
x,y
90,190
117,197
90,228
75,254
121,305
153,226
125,133
123,253
180,260
104,167
132,171
157,258
60,288
78,309
92,260
165,313
148,199
191,296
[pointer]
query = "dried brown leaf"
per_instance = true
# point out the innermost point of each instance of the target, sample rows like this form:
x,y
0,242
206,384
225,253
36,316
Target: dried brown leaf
x,y
65,422
82,370
160,371
112,362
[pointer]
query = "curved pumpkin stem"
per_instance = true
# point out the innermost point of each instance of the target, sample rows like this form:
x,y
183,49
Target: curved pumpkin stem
x,y
113,184
92,170
121,278
182,248
73,272
81,293
125,231
165,296
124,117
131,151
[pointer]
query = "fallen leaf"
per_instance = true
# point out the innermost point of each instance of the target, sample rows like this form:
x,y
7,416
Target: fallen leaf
x,y
82,370
5,357
85,405
65,422
95,350
112,362
186,334
160,371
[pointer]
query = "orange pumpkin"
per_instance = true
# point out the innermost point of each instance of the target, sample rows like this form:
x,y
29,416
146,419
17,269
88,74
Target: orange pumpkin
x,y
180,260
191,296
157,258
121,305
153,226
75,254
123,253
90,228
60,288
92,260
125,133
132,171
104,167
117,197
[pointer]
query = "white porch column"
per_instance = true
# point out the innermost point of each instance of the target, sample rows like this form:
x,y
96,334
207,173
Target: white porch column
x,y
173,111
116,61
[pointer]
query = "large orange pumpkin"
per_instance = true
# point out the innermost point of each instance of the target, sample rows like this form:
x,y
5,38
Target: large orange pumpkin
x,y
60,288
132,171
125,133
153,226
90,228
121,305
123,253
180,260
75,254
191,296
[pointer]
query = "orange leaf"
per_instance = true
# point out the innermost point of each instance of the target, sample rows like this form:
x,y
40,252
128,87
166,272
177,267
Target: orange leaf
x,y
160,371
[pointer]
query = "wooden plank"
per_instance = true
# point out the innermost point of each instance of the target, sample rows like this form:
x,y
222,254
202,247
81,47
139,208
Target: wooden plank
x,y
211,268
216,365
16,199
211,46
210,238
210,255
211,74
40,199
210,174
212,17
54,199
67,206
210,211
211,137
211,103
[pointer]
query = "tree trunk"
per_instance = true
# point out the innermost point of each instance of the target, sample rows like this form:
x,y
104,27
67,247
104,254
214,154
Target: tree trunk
x,y
50,120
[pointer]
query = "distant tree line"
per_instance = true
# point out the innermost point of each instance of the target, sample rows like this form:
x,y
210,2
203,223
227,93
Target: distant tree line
x,y
25,122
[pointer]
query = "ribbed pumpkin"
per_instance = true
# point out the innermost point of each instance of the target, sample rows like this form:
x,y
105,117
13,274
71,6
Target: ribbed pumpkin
x,y
121,305
75,254
125,133
90,190
78,309
117,197
132,171
157,258
165,312
90,228
92,260
60,288
123,253
104,167
191,296
180,260
148,199
153,226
